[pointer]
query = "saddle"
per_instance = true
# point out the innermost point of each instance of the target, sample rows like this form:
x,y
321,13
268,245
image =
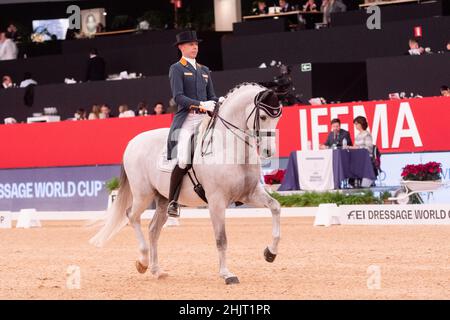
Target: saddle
x,y
165,165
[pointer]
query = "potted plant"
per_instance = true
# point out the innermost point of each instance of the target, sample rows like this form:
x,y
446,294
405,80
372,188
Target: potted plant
x,y
273,179
112,185
422,176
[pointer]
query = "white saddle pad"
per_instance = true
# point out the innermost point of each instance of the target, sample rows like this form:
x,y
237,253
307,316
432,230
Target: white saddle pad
x,y
164,164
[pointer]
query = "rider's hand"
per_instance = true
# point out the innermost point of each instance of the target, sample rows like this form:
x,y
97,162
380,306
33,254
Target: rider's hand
x,y
221,99
207,105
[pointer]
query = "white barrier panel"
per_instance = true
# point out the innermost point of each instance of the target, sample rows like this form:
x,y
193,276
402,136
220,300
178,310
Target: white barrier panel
x,y
27,219
421,214
5,220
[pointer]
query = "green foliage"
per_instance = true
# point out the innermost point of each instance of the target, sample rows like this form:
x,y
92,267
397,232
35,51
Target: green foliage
x,y
314,199
112,184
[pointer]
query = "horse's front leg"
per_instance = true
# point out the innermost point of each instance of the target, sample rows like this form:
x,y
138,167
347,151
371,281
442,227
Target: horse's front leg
x,y
217,213
261,199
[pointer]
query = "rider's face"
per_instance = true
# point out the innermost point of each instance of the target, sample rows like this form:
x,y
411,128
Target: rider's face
x,y
189,49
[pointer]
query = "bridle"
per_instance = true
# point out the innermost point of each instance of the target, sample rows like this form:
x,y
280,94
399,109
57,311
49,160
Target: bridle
x,y
272,111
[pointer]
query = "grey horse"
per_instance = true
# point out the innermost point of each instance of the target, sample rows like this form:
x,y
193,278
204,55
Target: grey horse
x,y
249,115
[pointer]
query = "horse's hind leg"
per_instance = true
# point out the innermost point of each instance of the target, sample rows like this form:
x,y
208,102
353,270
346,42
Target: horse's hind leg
x,y
140,203
262,199
158,221
217,213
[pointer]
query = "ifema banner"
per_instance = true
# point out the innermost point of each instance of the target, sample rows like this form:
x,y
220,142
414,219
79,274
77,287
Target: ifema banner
x,y
56,189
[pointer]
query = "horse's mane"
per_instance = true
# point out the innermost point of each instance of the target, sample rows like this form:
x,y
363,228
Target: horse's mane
x,y
205,121
240,85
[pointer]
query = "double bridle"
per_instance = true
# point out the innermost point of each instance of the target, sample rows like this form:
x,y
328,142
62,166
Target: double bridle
x,y
271,111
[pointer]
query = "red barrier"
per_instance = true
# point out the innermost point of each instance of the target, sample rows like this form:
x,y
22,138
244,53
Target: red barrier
x,y
72,143
415,125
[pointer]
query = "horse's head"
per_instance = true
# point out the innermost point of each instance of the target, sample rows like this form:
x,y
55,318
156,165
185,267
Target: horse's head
x,y
262,117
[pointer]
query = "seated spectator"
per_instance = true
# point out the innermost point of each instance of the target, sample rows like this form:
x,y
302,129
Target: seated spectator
x,y
7,82
8,48
105,111
310,5
80,114
414,48
125,112
363,139
96,70
27,80
159,108
95,113
261,8
331,6
336,136
445,91
285,6
142,109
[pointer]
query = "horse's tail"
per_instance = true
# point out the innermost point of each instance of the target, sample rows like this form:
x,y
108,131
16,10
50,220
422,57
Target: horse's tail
x,y
116,215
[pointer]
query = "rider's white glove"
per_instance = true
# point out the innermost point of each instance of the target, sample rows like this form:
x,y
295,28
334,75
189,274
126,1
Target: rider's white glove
x,y
221,99
207,105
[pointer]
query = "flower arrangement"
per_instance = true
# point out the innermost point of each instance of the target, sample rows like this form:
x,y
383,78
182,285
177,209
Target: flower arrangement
x,y
423,172
274,177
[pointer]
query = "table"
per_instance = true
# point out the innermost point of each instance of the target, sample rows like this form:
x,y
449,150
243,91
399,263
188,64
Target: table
x,y
44,119
347,164
281,14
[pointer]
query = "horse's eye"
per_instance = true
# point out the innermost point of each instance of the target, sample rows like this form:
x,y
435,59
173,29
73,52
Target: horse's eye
x,y
263,118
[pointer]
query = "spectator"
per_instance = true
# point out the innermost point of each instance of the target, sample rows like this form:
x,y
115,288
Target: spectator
x,y
310,5
142,109
331,6
261,8
27,80
414,48
124,111
105,111
7,82
96,70
159,108
337,136
80,114
12,33
445,91
285,6
364,138
100,28
448,46
95,113
8,48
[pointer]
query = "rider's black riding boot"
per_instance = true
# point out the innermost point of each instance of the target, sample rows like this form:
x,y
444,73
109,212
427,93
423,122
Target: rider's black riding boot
x,y
175,186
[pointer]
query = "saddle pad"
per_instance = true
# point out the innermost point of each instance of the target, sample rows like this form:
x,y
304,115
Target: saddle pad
x,y
164,164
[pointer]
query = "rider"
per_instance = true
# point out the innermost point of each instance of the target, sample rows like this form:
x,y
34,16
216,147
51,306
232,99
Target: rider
x,y
193,91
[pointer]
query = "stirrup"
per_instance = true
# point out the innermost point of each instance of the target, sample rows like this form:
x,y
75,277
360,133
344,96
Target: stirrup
x,y
173,210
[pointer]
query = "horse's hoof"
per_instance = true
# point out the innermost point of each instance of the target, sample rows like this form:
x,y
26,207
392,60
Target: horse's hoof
x,y
140,267
269,256
231,280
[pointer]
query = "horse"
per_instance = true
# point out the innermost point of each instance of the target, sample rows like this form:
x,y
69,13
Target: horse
x,y
249,113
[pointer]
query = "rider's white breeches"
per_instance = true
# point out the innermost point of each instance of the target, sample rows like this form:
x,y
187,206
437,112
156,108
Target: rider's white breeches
x,y
187,130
